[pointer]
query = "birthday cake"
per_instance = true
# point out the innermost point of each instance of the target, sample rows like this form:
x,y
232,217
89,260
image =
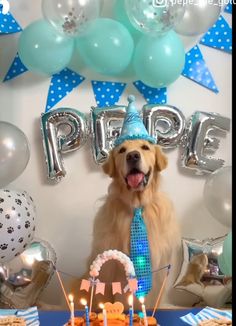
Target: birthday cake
x,y
113,319
112,313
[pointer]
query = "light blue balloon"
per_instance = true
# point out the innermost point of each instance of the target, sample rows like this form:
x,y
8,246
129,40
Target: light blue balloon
x,y
107,46
43,50
159,61
120,14
225,259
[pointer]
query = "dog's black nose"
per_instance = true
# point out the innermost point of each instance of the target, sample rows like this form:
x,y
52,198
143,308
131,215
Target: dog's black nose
x,y
133,157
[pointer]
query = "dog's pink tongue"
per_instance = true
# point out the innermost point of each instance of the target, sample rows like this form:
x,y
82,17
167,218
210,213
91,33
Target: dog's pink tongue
x,y
135,179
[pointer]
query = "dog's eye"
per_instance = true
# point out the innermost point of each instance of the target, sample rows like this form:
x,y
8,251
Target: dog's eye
x,y
145,148
122,150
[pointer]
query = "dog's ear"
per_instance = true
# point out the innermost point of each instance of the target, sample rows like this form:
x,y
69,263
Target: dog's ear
x,y
109,165
161,159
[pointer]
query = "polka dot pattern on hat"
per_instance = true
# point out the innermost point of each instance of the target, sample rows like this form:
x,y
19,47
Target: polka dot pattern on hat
x,y
107,93
196,69
61,85
219,36
8,24
17,68
151,95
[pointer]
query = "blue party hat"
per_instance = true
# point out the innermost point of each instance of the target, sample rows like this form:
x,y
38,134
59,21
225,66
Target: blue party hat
x,y
133,127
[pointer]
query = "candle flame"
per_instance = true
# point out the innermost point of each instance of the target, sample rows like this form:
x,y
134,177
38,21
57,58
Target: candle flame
x,y
101,305
70,297
141,300
83,302
130,299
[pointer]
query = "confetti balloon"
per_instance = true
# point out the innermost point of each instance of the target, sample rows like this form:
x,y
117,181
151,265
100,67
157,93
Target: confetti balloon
x,y
159,61
43,50
70,17
154,17
106,47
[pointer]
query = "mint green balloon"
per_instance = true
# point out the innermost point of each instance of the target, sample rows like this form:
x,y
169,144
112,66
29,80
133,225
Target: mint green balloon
x,y
107,46
120,14
43,50
159,61
225,259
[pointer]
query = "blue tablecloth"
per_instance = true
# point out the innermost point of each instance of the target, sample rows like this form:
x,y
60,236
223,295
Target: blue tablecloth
x,y
164,317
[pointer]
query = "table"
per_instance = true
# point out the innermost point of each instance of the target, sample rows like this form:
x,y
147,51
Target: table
x,y
165,317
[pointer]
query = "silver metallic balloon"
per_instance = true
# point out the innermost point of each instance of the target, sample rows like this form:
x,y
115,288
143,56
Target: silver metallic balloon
x,y
218,195
27,275
197,142
200,272
55,143
199,16
17,223
70,17
165,123
106,125
14,153
154,16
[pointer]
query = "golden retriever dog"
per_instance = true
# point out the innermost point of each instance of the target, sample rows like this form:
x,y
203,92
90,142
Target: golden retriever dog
x,y
135,168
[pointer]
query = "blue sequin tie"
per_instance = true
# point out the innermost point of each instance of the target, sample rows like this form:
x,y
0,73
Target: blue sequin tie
x,y
140,253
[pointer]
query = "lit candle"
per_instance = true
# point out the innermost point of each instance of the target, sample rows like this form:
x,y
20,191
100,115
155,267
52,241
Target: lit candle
x,y
84,303
72,309
141,299
131,311
104,312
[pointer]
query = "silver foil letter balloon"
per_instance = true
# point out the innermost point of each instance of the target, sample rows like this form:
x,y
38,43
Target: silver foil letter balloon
x,y
165,123
64,130
106,125
199,141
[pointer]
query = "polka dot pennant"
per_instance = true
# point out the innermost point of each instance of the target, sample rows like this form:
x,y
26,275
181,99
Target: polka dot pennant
x,y
107,93
8,24
219,36
61,85
196,69
229,8
17,68
151,95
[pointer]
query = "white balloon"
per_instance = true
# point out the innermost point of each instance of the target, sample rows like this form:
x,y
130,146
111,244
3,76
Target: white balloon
x,y
199,16
218,195
14,153
17,223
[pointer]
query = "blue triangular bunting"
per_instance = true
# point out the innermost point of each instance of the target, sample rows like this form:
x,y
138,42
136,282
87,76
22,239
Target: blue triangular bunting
x,y
151,95
229,8
219,36
8,24
61,85
196,69
107,93
17,68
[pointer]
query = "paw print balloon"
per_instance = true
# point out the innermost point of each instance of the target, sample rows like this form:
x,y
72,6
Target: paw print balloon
x,y
17,223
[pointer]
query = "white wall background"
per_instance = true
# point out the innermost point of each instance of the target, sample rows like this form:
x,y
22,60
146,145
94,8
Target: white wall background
x,y
65,212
